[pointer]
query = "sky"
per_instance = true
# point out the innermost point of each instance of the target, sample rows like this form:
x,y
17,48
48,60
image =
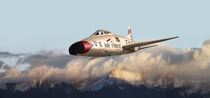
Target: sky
x,y
30,26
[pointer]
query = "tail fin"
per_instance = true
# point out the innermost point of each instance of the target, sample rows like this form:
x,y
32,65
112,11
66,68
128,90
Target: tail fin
x,y
129,32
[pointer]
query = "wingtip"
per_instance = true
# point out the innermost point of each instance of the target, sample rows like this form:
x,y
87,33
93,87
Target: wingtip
x,y
176,37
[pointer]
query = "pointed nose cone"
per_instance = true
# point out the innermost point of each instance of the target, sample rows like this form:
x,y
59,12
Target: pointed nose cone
x,y
81,47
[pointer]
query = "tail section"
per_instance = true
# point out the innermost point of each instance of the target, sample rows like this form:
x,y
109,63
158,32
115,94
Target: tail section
x,y
129,32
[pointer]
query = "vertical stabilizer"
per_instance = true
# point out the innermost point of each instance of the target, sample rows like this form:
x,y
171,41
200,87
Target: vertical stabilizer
x,y
129,32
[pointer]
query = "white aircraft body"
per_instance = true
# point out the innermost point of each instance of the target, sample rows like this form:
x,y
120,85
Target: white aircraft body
x,y
104,43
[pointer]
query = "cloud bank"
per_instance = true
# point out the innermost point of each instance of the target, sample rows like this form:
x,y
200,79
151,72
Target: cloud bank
x,y
148,65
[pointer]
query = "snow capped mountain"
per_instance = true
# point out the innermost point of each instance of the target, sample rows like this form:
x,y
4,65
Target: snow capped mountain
x,y
105,85
94,85
3,66
9,60
24,61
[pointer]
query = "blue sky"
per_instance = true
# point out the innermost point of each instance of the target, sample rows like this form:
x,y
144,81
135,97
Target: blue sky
x,y
29,26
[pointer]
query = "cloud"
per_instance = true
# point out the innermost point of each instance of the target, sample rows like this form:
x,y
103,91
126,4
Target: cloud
x,y
147,65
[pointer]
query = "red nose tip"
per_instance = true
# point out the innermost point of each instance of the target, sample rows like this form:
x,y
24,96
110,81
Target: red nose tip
x,y
87,46
80,47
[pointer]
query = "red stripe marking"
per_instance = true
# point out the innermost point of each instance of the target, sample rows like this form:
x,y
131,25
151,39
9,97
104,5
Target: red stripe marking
x,y
108,40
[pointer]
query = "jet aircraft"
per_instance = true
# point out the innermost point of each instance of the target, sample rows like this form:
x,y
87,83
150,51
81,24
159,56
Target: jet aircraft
x,y
105,43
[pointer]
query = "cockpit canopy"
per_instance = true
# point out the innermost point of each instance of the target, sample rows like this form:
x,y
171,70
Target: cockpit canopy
x,y
102,32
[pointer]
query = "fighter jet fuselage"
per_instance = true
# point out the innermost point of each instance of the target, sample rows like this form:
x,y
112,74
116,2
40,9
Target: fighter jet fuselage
x,y
104,43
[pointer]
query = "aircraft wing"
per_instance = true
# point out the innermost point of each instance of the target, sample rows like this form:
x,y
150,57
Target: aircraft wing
x,y
131,46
